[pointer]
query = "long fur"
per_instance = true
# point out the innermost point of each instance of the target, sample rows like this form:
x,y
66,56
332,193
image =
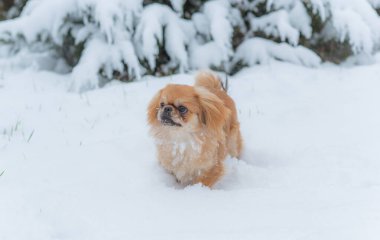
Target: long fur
x,y
194,149
208,80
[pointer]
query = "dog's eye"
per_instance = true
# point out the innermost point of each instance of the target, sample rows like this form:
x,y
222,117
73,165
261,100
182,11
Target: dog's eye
x,y
162,104
182,109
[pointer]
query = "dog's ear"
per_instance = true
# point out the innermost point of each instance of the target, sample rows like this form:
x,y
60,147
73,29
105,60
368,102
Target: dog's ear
x,y
214,113
153,108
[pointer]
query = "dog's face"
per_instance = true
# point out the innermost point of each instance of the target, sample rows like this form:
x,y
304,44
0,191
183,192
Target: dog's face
x,y
188,108
175,106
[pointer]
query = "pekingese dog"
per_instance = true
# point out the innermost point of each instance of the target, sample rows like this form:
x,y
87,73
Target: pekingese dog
x,y
195,127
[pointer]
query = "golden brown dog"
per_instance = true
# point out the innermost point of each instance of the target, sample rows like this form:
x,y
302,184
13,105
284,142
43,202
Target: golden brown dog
x,y
195,127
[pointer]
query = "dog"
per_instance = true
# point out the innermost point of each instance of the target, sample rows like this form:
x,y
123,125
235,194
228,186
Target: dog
x,y
194,128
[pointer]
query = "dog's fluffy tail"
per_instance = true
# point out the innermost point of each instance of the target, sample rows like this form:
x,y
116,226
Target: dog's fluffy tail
x,y
208,80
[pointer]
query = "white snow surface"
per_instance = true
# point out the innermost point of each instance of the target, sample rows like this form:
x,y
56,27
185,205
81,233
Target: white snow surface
x,y
83,166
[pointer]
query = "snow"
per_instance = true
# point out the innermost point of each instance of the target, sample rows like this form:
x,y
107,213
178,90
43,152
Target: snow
x,y
354,21
83,166
140,38
39,19
359,34
375,3
276,24
362,30
206,55
318,8
300,19
261,51
212,46
177,5
217,12
100,55
105,25
150,31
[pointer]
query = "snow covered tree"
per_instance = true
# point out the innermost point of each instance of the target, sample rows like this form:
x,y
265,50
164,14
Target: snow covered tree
x,y
99,40
11,8
94,37
281,29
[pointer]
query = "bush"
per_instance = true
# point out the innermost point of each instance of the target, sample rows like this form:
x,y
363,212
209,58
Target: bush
x,y
126,39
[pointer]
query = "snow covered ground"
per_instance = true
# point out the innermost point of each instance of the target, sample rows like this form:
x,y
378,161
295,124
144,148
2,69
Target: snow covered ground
x,y
82,166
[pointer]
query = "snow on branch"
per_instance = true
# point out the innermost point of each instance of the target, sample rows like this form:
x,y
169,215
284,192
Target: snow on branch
x,y
375,3
159,25
261,51
358,23
217,12
276,24
125,39
100,55
212,47
38,20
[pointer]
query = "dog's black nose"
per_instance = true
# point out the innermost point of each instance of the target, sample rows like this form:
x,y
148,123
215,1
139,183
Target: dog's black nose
x,y
168,109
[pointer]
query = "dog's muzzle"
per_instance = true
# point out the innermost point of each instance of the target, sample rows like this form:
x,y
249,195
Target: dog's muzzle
x,y
166,117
